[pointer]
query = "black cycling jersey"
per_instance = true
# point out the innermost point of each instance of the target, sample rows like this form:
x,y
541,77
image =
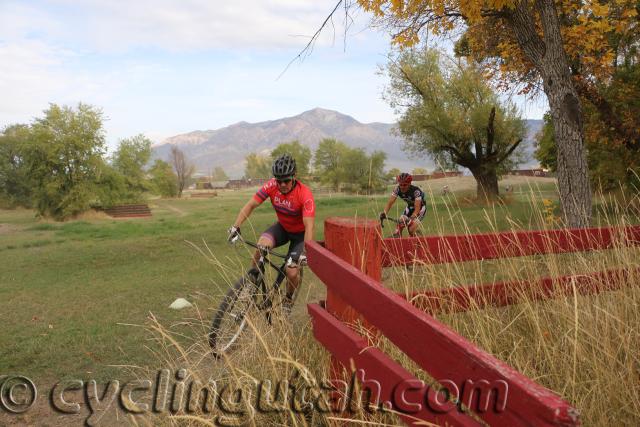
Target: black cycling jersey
x,y
410,195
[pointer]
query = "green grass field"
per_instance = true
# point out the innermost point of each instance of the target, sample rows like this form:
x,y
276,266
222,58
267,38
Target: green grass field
x,y
71,292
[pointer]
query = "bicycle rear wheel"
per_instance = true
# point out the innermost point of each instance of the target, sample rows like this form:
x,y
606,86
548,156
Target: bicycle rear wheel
x,y
231,317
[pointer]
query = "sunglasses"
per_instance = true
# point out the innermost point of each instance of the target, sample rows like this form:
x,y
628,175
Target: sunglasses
x,y
284,180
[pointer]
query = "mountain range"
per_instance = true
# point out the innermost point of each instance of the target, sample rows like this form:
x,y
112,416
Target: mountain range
x,y
228,146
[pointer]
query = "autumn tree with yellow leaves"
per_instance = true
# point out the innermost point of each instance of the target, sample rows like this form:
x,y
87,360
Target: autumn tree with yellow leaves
x,y
562,47
605,66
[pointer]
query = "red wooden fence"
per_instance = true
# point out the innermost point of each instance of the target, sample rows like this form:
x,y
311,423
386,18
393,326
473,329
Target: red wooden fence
x,y
446,356
456,248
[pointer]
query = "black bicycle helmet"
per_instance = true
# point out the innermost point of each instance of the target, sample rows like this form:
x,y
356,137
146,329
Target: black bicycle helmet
x,y
284,166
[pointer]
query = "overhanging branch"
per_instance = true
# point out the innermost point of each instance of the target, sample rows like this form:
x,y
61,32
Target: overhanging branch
x,y
411,82
309,47
463,159
508,153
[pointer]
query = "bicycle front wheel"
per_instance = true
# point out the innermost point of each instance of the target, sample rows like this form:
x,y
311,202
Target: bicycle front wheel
x,y
231,317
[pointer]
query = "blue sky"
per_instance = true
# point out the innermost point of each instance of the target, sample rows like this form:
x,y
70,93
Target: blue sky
x,y
167,67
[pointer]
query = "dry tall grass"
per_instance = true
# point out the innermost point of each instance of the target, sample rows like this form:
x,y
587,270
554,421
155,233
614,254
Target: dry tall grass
x,y
585,348
268,377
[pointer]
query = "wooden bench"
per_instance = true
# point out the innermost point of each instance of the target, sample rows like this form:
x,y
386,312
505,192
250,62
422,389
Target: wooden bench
x,y
129,211
203,195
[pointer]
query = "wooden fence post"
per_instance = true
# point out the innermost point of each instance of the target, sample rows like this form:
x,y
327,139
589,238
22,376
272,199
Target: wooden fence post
x,y
359,242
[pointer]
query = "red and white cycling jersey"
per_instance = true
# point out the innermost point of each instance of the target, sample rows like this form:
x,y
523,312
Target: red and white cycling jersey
x,y
291,207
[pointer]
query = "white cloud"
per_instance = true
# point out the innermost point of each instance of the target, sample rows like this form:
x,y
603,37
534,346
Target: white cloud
x,y
166,67
19,21
25,69
121,25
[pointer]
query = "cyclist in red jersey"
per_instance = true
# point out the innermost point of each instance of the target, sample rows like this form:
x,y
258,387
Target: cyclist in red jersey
x,y
295,209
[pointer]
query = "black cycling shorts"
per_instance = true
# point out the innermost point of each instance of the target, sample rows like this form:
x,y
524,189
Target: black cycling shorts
x,y
279,236
409,211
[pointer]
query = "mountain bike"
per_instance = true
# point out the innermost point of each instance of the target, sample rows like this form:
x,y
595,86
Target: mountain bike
x,y
251,294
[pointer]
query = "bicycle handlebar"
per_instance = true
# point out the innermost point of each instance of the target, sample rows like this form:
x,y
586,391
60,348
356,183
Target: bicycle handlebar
x,y
266,250
397,221
255,245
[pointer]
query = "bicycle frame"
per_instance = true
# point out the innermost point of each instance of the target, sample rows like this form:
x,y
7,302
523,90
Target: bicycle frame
x,y
267,301
253,294
397,221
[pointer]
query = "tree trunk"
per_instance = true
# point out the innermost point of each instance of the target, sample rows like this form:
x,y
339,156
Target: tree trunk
x,y
486,184
549,57
573,176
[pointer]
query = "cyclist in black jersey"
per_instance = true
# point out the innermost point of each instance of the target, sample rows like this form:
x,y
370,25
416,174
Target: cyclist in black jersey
x,y
416,205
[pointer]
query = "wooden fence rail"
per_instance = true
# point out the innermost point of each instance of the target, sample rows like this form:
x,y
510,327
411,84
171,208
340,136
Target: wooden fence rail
x,y
347,346
457,248
471,297
440,351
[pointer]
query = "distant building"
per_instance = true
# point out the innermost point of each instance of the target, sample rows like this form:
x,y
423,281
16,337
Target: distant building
x,y
435,175
219,185
445,174
529,172
244,183
203,185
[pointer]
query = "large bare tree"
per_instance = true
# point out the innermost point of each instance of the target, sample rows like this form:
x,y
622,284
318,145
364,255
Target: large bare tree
x,y
182,167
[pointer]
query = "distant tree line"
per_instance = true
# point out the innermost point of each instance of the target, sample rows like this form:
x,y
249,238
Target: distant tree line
x,y
58,165
448,112
334,163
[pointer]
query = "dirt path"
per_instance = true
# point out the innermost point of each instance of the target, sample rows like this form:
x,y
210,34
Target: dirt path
x,y
7,228
173,209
